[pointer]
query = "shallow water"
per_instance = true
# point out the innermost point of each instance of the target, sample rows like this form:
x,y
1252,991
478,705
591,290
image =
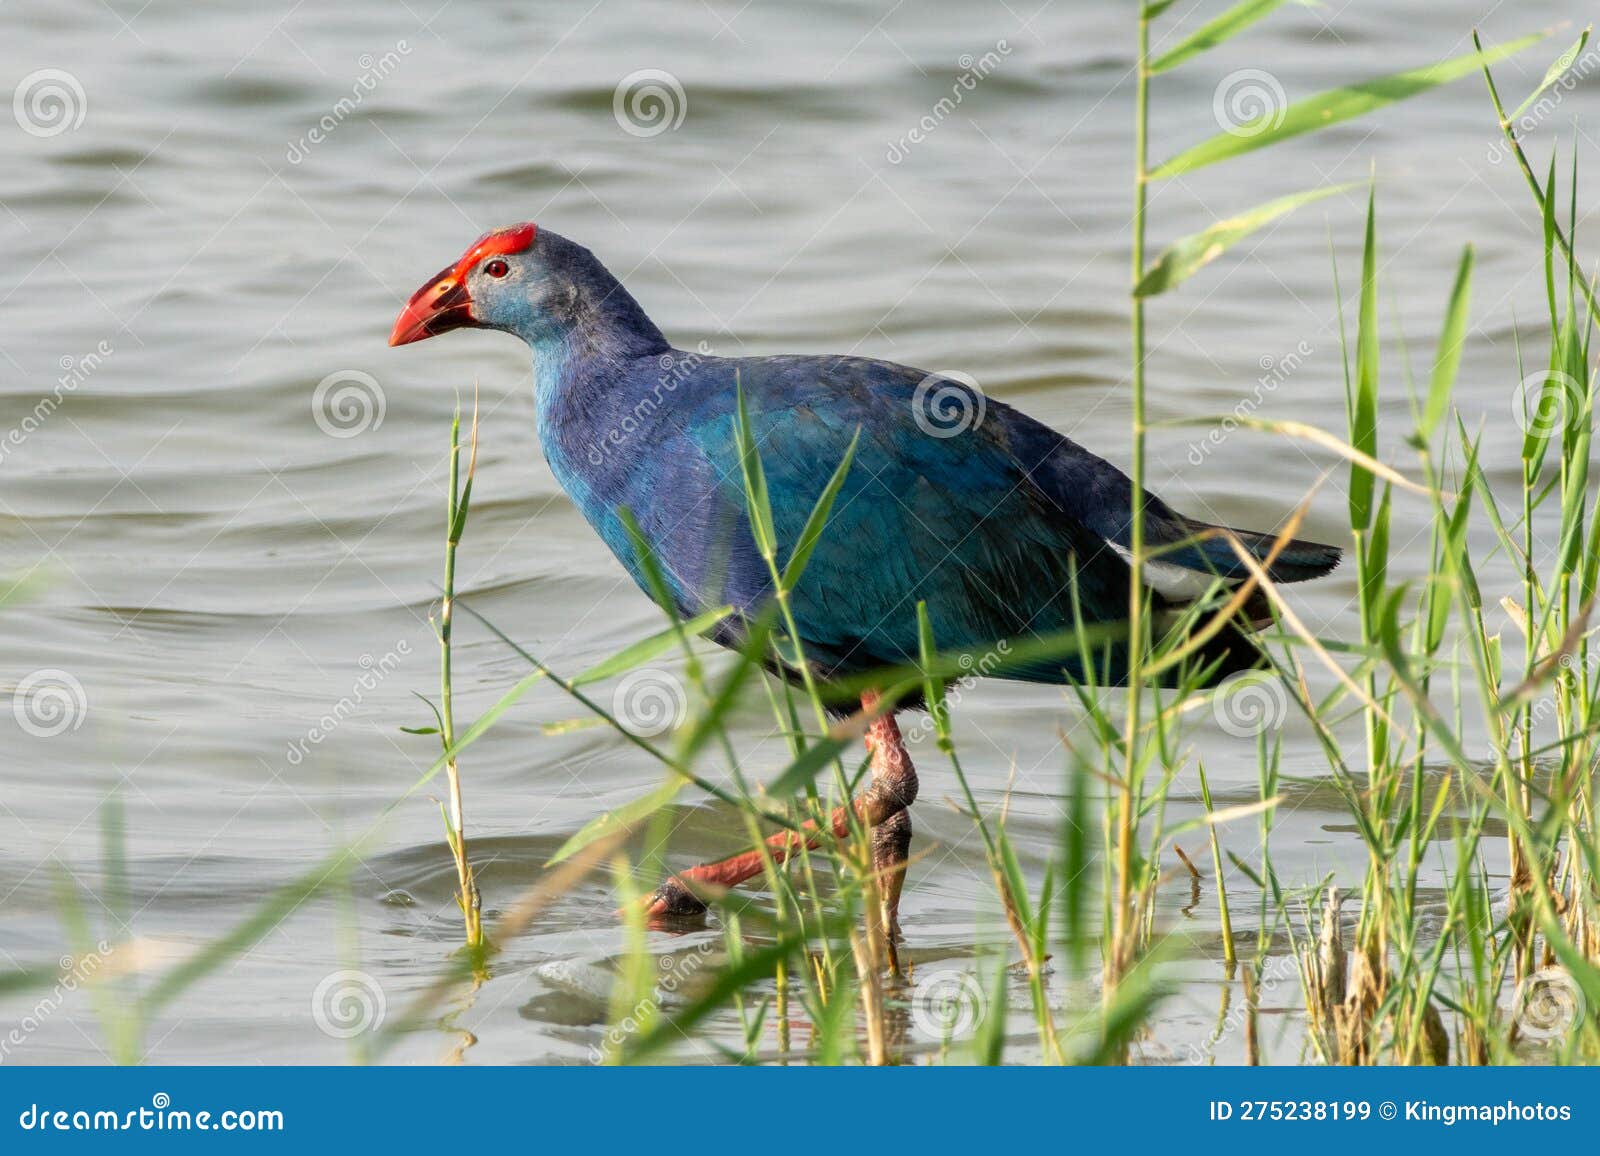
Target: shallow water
x,y
225,566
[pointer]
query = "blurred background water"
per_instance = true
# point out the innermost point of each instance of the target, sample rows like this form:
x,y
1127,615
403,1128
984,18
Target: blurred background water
x,y
231,499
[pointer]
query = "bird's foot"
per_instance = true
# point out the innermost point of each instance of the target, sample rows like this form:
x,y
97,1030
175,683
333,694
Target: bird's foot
x,y
673,899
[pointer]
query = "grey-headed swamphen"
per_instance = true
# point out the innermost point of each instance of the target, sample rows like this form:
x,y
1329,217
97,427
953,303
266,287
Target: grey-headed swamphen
x,y
1005,530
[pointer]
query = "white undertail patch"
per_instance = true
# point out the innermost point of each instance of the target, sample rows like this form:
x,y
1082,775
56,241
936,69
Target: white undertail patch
x,y
1170,580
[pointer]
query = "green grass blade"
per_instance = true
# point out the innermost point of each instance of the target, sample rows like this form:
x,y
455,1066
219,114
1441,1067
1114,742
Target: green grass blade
x,y
1547,207
1375,557
1364,403
802,771
1447,359
1126,1014
644,556
1226,26
1332,107
23,979
1189,255
755,482
1077,881
707,724
932,686
811,533
989,1040
647,648
1555,71
624,818
1010,869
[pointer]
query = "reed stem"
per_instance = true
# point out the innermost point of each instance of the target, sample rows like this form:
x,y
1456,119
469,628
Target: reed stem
x,y
467,895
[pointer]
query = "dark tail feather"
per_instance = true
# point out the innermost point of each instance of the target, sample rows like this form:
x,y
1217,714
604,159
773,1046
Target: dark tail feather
x,y
1298,561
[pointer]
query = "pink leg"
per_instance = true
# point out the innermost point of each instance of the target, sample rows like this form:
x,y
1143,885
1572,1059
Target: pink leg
x,y
882,807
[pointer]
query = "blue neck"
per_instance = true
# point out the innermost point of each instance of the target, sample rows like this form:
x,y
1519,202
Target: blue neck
x,y
578,310
594,349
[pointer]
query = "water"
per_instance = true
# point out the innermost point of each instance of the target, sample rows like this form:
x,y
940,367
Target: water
x,y
231,596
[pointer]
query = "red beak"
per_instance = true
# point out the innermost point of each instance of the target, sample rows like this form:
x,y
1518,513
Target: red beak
x,y
438,307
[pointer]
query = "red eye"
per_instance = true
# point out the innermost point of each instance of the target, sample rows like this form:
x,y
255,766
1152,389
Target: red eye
x,y
497,268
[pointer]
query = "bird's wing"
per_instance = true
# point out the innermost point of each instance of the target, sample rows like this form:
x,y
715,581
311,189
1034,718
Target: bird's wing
x,y
953,521
1188,554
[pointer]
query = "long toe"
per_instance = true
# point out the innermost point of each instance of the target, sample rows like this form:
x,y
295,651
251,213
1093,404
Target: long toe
x,y
673,898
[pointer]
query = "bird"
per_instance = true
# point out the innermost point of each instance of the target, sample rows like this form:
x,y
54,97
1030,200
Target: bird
x,y
1000,526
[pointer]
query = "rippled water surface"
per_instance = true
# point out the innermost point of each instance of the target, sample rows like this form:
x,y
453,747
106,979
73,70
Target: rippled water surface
x,y
232,575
